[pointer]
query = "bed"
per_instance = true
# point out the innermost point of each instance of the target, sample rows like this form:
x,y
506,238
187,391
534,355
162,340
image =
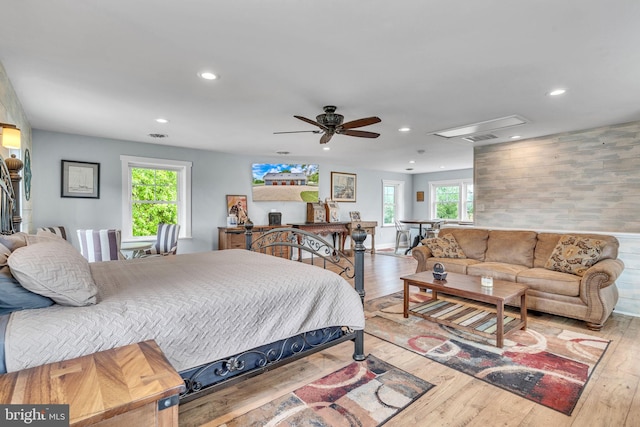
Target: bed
x,y
219,317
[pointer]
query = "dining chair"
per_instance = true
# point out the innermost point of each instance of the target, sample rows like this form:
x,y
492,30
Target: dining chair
x,y
402,231
100,245
59,231
166,240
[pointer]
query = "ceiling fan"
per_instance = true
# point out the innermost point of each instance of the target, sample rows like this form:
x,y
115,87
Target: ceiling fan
x,y
330,123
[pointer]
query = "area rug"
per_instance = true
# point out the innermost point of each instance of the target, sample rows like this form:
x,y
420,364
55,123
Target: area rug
x,y
547,365
367,393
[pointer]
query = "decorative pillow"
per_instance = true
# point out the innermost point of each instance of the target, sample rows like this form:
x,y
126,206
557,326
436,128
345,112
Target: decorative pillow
x,y
54,269
575,254
4,255
14,297
444,247
14,241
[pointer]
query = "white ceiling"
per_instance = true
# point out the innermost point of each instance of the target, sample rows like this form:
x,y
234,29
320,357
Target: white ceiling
x,y
110,68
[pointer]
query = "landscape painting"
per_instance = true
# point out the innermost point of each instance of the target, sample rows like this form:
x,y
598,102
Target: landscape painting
x,y
285,182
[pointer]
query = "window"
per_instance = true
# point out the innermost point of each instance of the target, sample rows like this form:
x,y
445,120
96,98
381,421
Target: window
x,y
392,202
154,191
452,200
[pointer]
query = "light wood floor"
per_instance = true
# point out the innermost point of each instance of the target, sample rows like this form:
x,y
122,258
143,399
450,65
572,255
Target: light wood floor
x,y
611,398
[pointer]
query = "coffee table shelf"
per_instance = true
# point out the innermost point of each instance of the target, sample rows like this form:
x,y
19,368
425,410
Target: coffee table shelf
x,y
489,321
466,316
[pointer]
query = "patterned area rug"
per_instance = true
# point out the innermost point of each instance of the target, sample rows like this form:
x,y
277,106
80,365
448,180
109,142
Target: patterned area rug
x,y
549,366
364,394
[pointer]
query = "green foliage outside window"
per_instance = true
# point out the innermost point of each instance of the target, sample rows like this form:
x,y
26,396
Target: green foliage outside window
x,y
389,205
447,199
154,196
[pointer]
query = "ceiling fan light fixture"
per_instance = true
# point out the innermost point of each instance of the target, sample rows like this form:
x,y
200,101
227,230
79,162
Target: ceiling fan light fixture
x,y
557,92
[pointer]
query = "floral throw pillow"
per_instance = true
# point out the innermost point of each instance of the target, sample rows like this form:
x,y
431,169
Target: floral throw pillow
x,y
575,254
444,247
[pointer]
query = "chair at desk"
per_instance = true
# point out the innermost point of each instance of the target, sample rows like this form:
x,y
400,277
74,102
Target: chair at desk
x,y
401,231
100,245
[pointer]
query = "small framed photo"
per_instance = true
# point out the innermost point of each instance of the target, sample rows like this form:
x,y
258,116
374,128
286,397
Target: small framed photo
x,y
343,187
237,208
354,216
80,179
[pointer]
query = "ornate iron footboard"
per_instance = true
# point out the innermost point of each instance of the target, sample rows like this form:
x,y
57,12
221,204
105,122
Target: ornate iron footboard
x,y
290,243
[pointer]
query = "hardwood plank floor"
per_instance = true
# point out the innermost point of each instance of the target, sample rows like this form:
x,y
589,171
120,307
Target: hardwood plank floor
x,y
611,398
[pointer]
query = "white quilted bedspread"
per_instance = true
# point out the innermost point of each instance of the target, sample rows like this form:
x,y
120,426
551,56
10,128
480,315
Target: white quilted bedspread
x,y
198,307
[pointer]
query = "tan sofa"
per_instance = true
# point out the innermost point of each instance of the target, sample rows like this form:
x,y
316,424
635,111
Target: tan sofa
x,y
521,256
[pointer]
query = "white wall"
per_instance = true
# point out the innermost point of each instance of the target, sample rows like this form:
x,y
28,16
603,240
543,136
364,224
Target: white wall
x,y
422,182
214,175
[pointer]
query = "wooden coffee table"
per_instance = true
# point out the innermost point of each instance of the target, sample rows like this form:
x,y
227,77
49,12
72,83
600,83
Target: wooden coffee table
x,y
468,317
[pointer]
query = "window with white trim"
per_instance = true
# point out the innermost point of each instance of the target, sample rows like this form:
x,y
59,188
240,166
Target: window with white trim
x,y
392,202
452,200
154,191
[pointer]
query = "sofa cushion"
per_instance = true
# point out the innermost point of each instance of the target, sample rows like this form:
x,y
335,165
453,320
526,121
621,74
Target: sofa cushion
x,y
548,241
473,241
575,254
444,247
552,282
454,265
497,270
512,247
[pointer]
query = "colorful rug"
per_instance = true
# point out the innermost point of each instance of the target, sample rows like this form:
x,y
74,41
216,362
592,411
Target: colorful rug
x,y
547,365
364,394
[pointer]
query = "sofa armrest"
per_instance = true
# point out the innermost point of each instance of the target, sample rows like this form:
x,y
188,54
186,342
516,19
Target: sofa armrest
x,y
421,254
599,276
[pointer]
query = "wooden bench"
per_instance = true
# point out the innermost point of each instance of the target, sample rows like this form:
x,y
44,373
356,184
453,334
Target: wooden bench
x,y
133,385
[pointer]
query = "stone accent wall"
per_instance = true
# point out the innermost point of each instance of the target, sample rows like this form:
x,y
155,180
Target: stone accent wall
x,y
583,181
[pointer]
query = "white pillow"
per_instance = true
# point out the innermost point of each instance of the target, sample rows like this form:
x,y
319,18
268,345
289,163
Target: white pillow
x,y
54,269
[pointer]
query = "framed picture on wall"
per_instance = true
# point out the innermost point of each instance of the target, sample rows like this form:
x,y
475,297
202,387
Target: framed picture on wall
x,y
237,209
343,187
80,179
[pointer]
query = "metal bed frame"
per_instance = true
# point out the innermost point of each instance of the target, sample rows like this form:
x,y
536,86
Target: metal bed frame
x,y
297,245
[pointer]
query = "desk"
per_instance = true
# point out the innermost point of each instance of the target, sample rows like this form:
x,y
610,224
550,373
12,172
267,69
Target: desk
x,y
433,223
135,249
340,229
369,227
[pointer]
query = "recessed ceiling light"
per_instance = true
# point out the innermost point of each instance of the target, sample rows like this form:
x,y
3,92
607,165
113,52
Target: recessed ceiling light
x,y
282,153
442,167
412,161
557,92
207,75
409,169
516,137
326,148
405,129
158,135
161,120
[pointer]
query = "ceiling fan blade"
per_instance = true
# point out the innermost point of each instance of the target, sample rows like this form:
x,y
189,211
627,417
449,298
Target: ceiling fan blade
x,y
359,133
311,122
326,138
299,131
361,122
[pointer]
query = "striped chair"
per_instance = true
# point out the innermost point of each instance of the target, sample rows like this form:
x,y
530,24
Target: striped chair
x,y
100,245
167,240
58,231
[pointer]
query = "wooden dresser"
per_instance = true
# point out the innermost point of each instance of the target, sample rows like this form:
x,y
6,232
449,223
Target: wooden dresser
x,y
234,238
133,385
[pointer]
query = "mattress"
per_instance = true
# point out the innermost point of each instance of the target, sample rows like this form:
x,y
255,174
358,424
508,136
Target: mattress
x,y
198,307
